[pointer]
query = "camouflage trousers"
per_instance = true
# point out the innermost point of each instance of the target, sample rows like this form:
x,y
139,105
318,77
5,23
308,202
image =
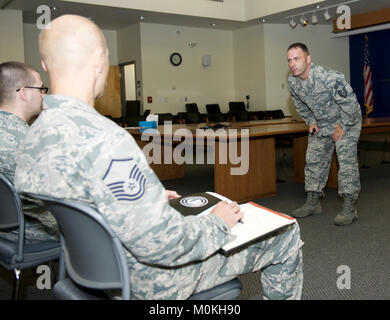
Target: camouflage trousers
x,y
319,158
39,225
279,257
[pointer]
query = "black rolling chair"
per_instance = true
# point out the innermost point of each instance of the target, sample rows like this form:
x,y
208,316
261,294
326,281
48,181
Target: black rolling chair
x,y
193,114
193,117
94,257
214,113
132,115
276,114
162,117
192,107
238,111
19,255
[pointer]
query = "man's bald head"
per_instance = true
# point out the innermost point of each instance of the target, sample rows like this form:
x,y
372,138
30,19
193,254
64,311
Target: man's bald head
x,y
69,41
74,46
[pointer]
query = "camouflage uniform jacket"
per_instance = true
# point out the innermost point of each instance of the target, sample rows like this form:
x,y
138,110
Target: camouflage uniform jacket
x,y
39,223
12,131
73,152
325,99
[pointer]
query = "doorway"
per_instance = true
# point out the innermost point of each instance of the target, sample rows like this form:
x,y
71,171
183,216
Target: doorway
x,y
128,83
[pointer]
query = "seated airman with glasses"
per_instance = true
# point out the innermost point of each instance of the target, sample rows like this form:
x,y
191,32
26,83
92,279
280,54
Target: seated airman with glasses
x,y
21,93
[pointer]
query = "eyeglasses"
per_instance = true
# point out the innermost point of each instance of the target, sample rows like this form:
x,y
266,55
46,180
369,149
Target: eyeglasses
x,y
44,90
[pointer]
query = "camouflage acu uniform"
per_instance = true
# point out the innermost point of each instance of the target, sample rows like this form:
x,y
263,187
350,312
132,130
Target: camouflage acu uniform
x,y
326,99
12,131
73,152
39,224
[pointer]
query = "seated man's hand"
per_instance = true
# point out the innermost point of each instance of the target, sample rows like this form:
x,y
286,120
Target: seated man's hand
x,y
338,133
172,194
229,212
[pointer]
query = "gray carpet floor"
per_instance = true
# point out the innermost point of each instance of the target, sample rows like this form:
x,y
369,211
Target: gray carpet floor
x,y
360,247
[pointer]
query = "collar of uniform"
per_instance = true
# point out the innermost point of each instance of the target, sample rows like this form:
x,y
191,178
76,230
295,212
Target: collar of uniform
x,y
13,117
58,101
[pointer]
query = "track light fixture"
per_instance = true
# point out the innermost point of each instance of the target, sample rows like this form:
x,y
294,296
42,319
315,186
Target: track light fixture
x,y
303,21
292,23
327,16
314,19
314,15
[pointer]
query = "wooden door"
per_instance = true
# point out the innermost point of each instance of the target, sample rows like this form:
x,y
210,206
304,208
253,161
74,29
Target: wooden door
x,y
110,103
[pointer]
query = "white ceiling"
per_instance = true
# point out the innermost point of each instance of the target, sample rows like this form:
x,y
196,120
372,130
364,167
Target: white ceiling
x,y
112,18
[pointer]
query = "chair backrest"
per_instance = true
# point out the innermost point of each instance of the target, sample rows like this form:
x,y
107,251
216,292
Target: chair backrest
x,y
133,108
235,106
276,114
164,117
11,211
213,108
241,115
260,115
146,113
132,120
11,206
193,117
93,255
192,107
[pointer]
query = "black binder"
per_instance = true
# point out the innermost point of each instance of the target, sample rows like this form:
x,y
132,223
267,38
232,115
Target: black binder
x,y
194,203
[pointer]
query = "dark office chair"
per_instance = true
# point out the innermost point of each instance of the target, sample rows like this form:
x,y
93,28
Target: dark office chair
x,y
192,107
18,255
162,117
275,114
260,115
132,115
238,111
214,113
191,117
94,257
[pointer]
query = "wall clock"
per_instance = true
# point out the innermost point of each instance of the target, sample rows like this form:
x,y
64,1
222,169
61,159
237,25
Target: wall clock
x,y
175,59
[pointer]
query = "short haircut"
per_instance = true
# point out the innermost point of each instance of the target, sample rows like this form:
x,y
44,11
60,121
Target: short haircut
x,y
299,45
13,76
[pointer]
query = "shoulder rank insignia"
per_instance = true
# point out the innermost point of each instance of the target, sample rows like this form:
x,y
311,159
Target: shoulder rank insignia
x,y
125,179
340,89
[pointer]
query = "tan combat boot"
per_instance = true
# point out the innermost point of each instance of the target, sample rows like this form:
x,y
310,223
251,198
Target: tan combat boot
x,y
348,214
311,206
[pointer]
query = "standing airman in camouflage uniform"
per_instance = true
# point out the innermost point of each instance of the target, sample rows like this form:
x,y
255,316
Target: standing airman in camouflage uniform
x,y
73,152
326,102
20,101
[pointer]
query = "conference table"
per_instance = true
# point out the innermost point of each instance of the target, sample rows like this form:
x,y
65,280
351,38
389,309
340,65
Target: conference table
x,y
255,138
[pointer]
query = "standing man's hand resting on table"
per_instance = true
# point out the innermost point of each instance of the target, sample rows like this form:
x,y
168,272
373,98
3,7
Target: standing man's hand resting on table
x,y
229,212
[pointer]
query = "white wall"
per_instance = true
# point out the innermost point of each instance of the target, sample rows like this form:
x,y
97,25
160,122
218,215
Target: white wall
x,y
333,53
249,66
129,50
11,36
170,86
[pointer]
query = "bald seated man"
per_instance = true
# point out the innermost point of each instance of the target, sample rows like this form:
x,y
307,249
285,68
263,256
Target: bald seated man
x,y
21,93
73,152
